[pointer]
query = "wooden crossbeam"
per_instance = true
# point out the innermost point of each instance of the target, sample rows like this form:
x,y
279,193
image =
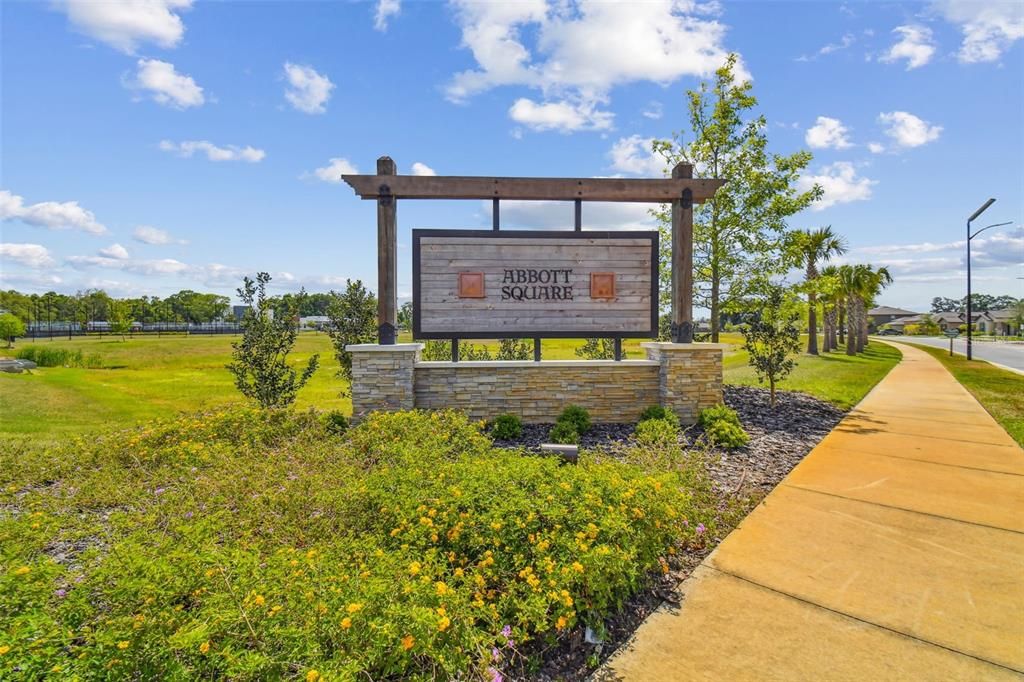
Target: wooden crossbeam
x,y
660,190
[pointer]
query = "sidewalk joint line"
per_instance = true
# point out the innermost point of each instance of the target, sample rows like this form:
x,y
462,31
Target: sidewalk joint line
x,y
892,506
916,435
855,451
859,619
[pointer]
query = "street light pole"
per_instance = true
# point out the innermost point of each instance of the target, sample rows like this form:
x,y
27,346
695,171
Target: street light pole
x,y
969,238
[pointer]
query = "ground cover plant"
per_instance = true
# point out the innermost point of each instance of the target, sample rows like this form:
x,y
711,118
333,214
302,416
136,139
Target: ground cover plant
x,y
999,391
58,357
260,544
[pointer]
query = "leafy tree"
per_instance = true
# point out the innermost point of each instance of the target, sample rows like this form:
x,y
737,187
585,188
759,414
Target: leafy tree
x,y
941,304
405,316
598,349
813,247
260,360
353,315
737,233
440,350
860,284
514,349
10,328
772,335
120,318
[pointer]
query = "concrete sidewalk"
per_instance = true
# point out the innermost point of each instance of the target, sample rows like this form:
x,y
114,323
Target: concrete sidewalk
x,y
894,551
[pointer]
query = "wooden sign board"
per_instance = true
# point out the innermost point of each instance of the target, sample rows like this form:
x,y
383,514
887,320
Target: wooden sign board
x,y
522,284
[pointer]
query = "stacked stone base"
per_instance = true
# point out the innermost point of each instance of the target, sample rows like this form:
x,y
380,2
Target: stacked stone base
x,y
683,377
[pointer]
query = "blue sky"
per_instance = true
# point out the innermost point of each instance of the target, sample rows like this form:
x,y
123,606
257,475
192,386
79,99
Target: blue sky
x,y
153,146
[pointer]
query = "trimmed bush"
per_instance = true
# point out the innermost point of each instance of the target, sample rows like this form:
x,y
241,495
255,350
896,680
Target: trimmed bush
x,y
577,416
564,433
659,412
722,427
506,427
247,544
656,431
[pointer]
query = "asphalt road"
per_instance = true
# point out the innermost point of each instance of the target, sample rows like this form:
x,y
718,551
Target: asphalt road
x,y
1006,354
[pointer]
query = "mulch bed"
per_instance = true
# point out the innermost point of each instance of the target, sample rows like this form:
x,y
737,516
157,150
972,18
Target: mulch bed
x,y
779,438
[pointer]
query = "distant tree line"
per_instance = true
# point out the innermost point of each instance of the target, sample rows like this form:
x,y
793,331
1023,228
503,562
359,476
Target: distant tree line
x,y
980,303
96,305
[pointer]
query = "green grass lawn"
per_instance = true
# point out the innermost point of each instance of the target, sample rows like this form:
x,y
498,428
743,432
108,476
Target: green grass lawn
x,y
836,377
149,377
999,391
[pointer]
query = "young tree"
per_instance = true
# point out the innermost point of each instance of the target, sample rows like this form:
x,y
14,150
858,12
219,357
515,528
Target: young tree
x,y
353,319
119,318
10,328
260,360
811,248
773,335
737,233
514,349
405,316
598,349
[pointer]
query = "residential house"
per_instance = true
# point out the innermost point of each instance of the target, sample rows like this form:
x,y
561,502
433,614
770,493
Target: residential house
x,y
1000,322
885,315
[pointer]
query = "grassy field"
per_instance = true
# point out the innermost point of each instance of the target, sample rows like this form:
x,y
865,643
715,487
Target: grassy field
x,y
999,391
148,377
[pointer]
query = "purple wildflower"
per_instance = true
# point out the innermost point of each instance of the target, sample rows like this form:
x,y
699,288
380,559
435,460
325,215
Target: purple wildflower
x,y
506,631
60,593
158,491
700,528
495,675
495,654
685,523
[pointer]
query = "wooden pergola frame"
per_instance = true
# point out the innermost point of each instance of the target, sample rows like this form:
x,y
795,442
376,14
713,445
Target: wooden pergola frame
x,y
681,190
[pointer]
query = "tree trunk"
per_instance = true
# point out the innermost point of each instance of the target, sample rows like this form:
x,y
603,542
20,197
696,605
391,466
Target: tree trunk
x,y
851,326
812,310
771,389
841,306
826,328
715,306
861,324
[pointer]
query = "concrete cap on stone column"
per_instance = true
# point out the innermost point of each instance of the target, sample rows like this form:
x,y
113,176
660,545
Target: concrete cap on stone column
x,y
383,348
668,345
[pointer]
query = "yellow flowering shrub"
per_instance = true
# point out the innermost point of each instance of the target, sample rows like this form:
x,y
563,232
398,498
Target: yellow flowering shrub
x,y
264,545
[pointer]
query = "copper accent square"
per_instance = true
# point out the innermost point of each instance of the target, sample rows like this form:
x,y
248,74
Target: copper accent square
x,y
602,285
471,285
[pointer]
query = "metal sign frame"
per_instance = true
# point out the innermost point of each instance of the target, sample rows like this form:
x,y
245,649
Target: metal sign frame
x,y
651,332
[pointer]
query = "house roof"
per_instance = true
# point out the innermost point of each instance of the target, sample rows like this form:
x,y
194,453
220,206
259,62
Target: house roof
x,y
887,310
1004,314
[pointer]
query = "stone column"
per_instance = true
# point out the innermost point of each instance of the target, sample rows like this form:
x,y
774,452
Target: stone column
x,y
382,377
690,376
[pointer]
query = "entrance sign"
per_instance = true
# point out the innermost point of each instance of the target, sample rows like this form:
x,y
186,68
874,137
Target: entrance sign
x,y
529,284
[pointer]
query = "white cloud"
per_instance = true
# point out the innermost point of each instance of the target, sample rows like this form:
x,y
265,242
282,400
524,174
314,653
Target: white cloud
x,y
828,133
53,215
332,172
915,45
308,91
999,249
114,251
165,85
161,266
989,28
846,41
633,155
30,280
908,130
422,169
581,50
564,116
29,255
653,111
188,148
126,24
147,234
876,147
385,10
840,183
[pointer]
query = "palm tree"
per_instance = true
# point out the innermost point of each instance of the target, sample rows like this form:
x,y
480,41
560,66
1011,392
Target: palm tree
x,y
813,247
874,282
860,285
831,297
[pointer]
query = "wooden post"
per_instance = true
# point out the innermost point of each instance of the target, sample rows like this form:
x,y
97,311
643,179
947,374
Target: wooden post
x,y
682,260
387,257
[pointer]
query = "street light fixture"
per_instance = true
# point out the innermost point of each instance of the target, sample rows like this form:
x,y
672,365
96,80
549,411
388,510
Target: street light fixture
x,y
969,238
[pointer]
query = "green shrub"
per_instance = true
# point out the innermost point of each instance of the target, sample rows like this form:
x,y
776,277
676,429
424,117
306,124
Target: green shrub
x,y
506,427
726,434
564,433
659,412
245,544
58,357
651,431
577,416
722,427
718,413
336,422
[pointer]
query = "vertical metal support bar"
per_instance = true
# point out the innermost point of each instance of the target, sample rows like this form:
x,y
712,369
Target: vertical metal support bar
x,y
618,349
455,350
387,258
536,350
578,224
682,260
495,214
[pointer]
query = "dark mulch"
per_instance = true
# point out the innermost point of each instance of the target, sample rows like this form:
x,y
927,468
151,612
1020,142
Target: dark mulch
x,y
779,438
